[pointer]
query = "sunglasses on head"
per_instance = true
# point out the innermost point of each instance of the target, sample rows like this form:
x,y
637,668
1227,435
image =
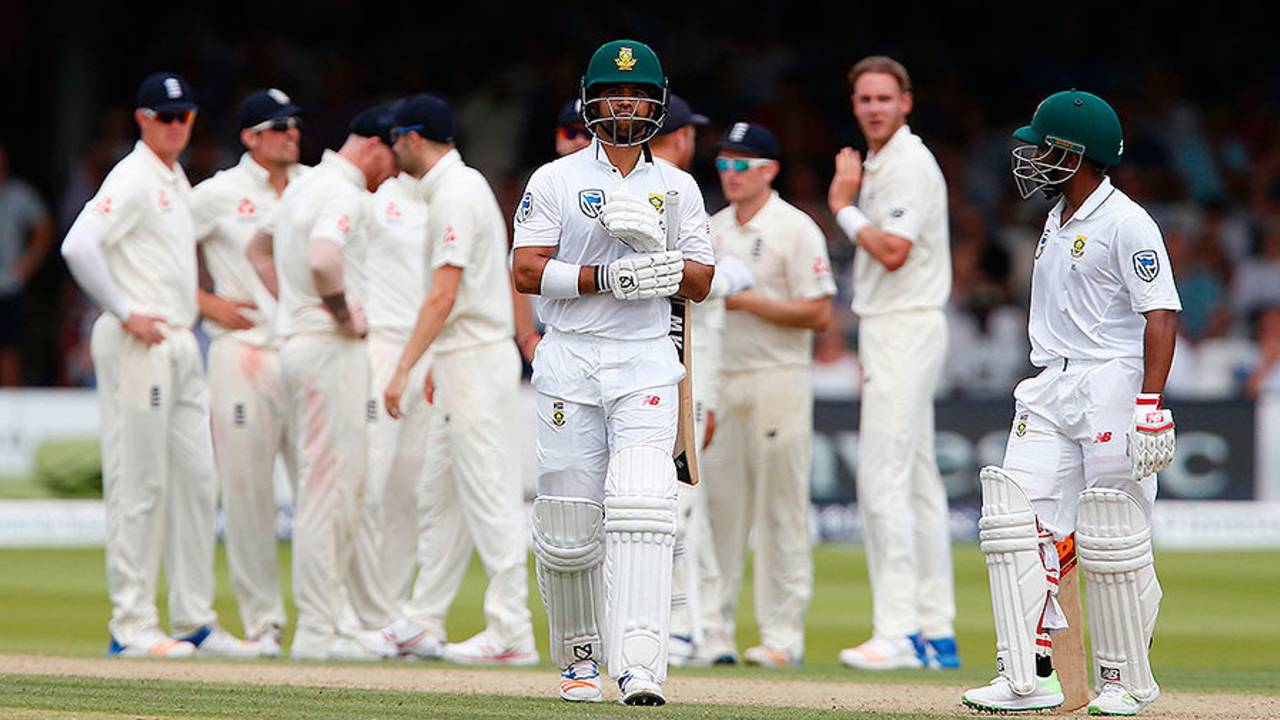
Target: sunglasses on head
x,y
573,133
279,124
170,116
725,164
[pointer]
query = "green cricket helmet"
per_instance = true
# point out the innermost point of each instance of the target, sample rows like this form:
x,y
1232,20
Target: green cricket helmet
x,y
620,119
1067,128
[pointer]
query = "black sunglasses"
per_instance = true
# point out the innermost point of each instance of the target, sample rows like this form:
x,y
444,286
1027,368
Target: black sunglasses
x,y
170,116
279,124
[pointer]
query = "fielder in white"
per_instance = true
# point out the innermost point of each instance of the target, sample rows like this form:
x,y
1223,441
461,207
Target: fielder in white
x,y
318,239
1082,455
132,250
471,494
248,405
758,467
591,241
902,279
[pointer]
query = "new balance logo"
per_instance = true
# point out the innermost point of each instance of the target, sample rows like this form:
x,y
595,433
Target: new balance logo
x,y
1109,674
1103,437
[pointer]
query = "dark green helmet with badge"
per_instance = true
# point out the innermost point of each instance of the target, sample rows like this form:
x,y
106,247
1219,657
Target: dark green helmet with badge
x,y
624,93
1067,128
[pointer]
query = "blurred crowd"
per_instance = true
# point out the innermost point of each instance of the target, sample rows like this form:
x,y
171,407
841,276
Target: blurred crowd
x,y
1209,173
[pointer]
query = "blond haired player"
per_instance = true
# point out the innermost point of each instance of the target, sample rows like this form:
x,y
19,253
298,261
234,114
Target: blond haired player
x,y
132,249
315,249
471,494
902,279
247,400
758,467
591,241
1082,453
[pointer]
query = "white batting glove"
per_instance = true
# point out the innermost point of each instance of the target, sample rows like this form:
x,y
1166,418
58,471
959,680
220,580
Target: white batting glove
x,y
642,276
732,276
1151,440
635,222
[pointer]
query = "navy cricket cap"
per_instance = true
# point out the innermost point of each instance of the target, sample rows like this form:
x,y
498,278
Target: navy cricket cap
x,y
374,122
680,114
752,139
262,105
570,114
165,91
428,115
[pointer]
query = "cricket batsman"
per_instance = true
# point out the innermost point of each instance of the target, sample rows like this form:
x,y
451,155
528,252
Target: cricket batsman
x,y
591,241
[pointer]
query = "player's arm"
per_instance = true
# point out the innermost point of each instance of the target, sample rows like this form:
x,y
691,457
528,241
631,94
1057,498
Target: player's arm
x,y
445,282
261,254
324,260
221,310
1158,341
696,283
812,314
888,248
527,336
530,268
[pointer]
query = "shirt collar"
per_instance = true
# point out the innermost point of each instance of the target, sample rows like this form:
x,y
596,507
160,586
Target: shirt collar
x,y
259,173
874,159
344,168
1091,203
173,175
430,183
761,214
596,149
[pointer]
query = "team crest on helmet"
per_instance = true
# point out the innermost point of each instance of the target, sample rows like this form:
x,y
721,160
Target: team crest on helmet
x,y
591,202
625,60
1146,265
1077,247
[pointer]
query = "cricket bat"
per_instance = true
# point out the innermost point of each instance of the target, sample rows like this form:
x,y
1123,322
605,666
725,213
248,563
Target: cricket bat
x,y
1068,645
685,454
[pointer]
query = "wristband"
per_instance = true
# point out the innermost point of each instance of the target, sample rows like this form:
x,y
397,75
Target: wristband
x,y
1153,399
602,279
559,280
851,221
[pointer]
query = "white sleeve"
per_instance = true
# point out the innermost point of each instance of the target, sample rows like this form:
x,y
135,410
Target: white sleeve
x,y
907,204
1143,264
82,249
694,238
808,267
339,217
204,209
537,219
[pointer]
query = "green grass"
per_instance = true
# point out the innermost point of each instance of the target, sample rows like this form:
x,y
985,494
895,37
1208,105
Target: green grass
x,y
1217,628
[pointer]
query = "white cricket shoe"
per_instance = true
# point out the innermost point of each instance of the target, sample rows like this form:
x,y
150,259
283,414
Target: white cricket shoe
x,y
152,643
270,641
413,641
1115,700
213,641
681,651
718,649
640,687
482,649
883,653
768,657
998,696
580,682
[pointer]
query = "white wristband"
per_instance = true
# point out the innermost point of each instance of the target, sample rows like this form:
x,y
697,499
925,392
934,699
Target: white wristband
x,y
559,280
851,221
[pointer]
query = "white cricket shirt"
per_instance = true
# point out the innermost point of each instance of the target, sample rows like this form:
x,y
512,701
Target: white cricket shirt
x,y
142,213
1093,277
787,253
330,202
561,207
904,193
466,229
394,267
227,209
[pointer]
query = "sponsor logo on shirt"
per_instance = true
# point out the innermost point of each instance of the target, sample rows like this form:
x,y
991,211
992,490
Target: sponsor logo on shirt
x,y
1044,240
163,201
449,236
591,202
246,208
392,211
821,267
1146,265
897,213
1103,437
344,224
525,208
653,400
103,206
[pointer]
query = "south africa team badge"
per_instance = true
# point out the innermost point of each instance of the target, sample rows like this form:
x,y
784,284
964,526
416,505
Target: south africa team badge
x,y
557,413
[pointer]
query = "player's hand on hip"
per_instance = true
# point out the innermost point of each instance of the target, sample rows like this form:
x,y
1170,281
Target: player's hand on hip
x,y
740,301
227,313
643,276
429,388
710,432
355,325
847,180
1151,441
528,344
146,328
393,392
634,221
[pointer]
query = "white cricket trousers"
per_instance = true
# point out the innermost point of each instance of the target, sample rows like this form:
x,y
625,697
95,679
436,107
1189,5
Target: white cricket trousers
x,y
397,450
471,494
327,378
757,476
158,479
901,498
250,413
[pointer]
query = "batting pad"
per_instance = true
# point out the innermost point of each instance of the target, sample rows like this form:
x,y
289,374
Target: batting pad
x,y
640,529
1113,541
568,541
1010,541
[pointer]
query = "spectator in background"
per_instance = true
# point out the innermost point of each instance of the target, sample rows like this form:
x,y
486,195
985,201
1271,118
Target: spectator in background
x,y
1257,280
836,372
1202,275
26,233
1265,379
571,129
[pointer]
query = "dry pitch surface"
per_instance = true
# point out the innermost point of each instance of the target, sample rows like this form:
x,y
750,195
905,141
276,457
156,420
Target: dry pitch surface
x,y
811,694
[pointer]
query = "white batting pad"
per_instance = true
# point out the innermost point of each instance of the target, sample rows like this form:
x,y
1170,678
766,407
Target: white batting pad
x,y
1010,541
568,541
1113,540
640,528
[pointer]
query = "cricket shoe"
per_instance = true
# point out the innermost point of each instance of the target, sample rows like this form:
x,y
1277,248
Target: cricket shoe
x,y
1115,700
717,650
640,687
998,696
580,682
681,652
152,643
941,653
765,656
213,641
360,647
413,640
482,649
885,653
270,641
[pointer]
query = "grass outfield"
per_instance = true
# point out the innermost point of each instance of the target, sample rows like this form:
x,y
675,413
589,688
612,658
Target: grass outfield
x,y
1217,629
